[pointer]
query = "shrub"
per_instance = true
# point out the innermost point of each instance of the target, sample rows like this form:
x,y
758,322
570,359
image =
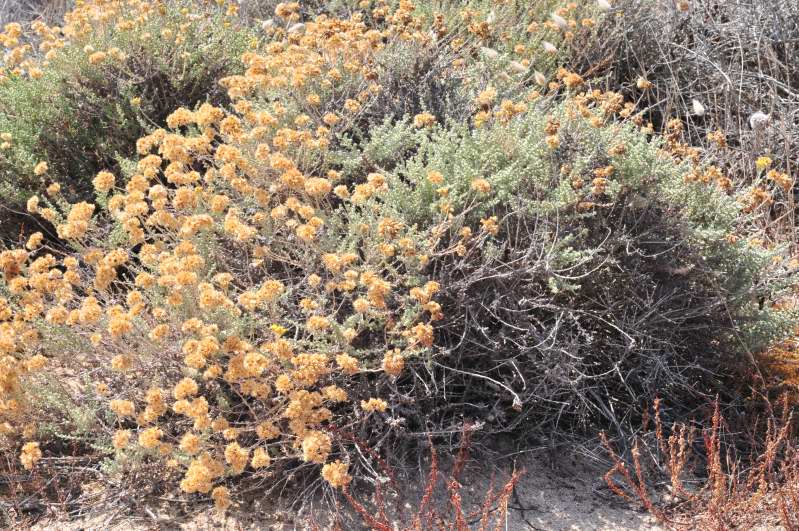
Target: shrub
x,y
88,90
264,279
733,58
219,297
579,263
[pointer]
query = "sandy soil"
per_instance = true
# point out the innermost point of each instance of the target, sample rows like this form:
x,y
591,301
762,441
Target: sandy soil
x,y
564,494
554,494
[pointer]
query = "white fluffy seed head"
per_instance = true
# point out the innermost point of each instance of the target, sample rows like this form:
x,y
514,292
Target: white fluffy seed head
x,y
518,67
489,52
540,78
604,5
559,21
758,120
699,109
549,47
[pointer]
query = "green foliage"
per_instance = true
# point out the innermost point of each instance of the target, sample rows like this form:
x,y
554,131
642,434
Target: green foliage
x,y
601,292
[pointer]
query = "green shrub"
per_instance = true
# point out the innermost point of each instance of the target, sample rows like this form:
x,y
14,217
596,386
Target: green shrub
x,y
612,278
82,112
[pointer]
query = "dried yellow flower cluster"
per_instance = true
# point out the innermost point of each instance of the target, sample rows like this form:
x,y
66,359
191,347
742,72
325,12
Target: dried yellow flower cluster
x,y
231,279
198,287
336,474
30,455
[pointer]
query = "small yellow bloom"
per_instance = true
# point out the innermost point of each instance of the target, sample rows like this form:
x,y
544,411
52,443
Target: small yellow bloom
x,y
123,408
435,177
763,163
121,439
278,330
33,204
97,57
481,185
150,438
190,443
34,241
40,169
260,458
374,404
316,446
237,457
336,474
30,455
424,119
104,181
221,497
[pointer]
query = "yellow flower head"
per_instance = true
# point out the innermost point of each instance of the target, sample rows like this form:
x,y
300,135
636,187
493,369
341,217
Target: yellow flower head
x,y
121,439
221,497
763,163
424,119
481,185
30,455
374,404
40,169
150,438
104,181
260,458
237,457
393,362
316,446
336,474
190,443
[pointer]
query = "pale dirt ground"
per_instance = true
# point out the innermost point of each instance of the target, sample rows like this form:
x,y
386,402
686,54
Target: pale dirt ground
x,y
555,494
571,496
560,493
